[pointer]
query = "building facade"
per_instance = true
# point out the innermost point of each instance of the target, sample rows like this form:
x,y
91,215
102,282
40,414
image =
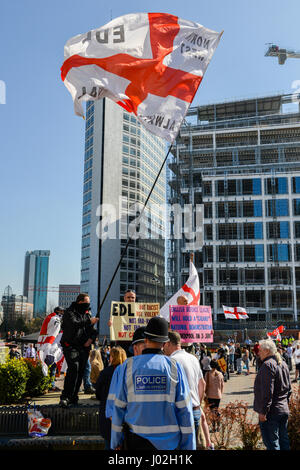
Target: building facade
x,y
121,162
15,307
35,284
67,293
240,161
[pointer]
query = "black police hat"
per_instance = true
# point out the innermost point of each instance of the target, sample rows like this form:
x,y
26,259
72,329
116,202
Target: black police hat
x,y
157,330
138,335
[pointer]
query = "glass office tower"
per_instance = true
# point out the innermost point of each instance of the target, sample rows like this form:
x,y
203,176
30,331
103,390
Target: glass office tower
x,y
35,285
121,162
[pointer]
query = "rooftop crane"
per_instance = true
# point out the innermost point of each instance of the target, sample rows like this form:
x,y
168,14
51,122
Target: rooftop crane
x,y
282,54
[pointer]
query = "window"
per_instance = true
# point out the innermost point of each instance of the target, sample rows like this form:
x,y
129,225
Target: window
x,y
259,253
276,186
278,207
251,187
278,229
279,252
296,184
297,229
296,206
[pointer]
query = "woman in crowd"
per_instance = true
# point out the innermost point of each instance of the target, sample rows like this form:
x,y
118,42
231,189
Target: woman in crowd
x,y
246,360
117,357
214,390
96,366
205,363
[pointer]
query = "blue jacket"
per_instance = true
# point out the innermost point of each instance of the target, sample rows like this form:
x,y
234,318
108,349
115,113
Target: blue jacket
x,y
152,396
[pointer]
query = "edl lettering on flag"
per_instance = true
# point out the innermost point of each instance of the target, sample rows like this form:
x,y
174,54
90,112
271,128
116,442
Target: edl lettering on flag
x,y
151,64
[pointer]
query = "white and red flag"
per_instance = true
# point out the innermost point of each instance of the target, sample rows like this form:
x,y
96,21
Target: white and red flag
x,y
191,289
277,332
151,64
48,344
235,313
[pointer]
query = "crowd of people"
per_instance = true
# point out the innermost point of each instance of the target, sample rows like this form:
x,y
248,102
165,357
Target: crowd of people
x,y
152,392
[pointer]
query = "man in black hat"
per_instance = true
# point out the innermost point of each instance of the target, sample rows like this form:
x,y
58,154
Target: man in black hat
x,y
78,335
152,405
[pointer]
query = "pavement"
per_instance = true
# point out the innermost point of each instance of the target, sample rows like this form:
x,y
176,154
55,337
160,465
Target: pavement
x,y
237,388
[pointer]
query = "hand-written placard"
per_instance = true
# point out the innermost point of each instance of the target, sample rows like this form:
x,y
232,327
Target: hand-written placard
x,y
126,317
192,322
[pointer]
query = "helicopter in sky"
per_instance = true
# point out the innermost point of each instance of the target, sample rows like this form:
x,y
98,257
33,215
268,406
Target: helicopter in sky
x,y
282,54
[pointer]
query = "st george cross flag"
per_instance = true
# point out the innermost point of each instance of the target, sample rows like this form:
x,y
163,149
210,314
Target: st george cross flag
x,y
191,289
151,64
277,332
48,345
236,313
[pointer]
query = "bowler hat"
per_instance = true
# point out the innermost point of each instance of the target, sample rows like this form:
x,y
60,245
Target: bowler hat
x,y
157,330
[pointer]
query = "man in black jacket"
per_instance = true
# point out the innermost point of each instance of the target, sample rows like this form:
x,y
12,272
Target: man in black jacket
x,y
78,335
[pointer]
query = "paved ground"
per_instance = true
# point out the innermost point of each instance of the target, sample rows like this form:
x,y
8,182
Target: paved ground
x,y
237,388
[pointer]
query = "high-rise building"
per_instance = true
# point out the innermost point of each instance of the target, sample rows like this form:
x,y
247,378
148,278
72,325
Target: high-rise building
x,y
67,293
121,162
241,161
15,307
35,285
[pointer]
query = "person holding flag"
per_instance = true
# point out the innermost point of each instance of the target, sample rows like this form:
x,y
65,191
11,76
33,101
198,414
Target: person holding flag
x,y
49,350
189,294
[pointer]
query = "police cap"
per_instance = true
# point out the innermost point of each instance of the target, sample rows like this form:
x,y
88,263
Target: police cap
x,y
157,330
138,335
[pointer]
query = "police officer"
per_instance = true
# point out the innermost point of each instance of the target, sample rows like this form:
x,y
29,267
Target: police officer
x,y
153,398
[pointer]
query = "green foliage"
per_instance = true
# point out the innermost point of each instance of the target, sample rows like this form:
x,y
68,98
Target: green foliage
x,y
13,378
37,383
21,378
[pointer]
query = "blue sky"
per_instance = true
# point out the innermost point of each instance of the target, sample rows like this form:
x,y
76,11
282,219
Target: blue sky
x,y
42,141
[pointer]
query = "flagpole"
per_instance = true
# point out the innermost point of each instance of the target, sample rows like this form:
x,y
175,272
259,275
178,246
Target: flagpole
x,y
129,239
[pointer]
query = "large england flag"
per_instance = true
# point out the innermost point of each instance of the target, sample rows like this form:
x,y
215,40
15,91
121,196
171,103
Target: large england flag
x,y
235,313
191,289
151,64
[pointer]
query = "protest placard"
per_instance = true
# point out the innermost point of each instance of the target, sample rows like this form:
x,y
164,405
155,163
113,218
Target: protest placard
x,y
126,317
192,322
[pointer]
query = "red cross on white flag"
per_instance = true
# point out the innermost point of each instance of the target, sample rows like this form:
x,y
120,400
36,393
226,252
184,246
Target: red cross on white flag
x,y
191,290
236,313
149,63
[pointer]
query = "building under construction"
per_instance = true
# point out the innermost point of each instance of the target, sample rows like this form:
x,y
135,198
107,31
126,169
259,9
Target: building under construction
x,y
241,161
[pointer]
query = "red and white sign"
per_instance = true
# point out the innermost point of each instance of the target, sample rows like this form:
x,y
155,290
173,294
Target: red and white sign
x,y
191,290
235,313
151,64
